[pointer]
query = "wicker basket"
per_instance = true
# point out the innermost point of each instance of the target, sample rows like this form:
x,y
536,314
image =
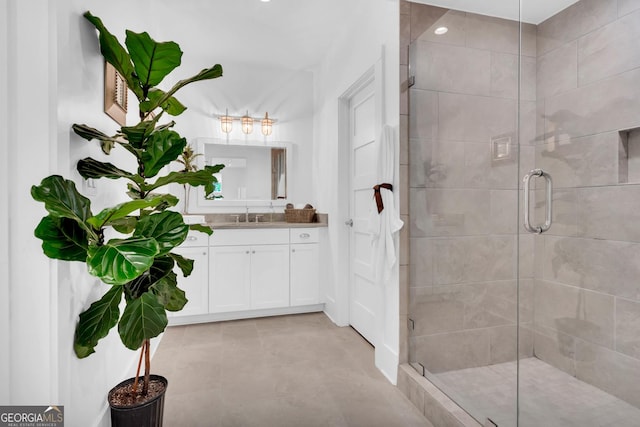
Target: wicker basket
x,y
299,215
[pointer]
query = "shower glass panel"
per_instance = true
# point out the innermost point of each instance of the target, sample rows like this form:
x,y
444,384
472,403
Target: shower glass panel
x,y
464,180
527,328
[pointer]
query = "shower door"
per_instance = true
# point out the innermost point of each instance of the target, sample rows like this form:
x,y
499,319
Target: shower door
x,y
582,317
524,157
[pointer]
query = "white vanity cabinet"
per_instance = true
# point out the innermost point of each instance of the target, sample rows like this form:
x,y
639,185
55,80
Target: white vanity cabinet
x,y
304,266
248,269
250,272
195,286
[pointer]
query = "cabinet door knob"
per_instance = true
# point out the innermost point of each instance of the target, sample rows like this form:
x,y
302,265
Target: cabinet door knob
x,y
247,252
253,252
293,250
305,235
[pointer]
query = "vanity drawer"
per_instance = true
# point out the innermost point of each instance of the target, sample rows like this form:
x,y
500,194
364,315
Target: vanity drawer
x,y
304,235
252,236
195,238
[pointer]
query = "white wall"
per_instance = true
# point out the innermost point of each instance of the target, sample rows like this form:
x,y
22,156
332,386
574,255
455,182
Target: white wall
x,y
356,48
5,367
32,143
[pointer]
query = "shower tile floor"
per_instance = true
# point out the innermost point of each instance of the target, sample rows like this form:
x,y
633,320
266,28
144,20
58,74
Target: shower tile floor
x,y
286,371
548,397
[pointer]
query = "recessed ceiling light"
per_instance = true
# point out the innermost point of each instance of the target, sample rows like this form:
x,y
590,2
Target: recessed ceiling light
x,y
265,1
441,30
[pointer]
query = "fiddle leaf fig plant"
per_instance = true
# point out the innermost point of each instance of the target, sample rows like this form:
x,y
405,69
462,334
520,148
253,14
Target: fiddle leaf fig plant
x,y
137,264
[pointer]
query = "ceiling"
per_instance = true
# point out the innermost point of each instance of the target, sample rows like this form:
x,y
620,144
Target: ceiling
x,y
533,11
289,34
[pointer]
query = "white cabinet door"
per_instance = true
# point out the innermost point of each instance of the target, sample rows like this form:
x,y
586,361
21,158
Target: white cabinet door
x,y
196,285
269,276
229,275
305,286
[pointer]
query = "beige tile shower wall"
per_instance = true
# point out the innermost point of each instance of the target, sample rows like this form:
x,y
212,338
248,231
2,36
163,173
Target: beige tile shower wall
x,y
463,204
587,295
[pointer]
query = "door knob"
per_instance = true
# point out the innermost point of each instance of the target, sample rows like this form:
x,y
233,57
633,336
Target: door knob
x,y
349,222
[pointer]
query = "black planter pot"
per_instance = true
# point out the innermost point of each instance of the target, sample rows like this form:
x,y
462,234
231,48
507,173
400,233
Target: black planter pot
x,y
148,414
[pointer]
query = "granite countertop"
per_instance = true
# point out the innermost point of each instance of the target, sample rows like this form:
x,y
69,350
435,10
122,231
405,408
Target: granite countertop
x,y
275,224
227,221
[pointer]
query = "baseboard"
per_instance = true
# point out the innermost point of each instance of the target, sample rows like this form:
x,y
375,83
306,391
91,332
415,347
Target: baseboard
x,y
248,314
386,360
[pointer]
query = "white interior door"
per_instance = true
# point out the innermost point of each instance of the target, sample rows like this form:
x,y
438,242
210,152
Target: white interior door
x,y
364,295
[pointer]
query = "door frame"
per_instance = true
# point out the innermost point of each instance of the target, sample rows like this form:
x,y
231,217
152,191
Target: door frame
x,y
373,74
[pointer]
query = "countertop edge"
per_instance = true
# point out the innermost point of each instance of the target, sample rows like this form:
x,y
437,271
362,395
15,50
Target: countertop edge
x,y
245,226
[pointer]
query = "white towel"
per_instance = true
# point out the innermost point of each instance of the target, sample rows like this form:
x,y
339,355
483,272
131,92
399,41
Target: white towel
x,y
385,224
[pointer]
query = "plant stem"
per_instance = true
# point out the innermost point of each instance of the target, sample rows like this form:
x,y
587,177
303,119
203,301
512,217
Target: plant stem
x,y
135,381
147,366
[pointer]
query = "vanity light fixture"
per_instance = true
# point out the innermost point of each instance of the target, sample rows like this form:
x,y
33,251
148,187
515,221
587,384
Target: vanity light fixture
x,y
226,122
267,125
247,123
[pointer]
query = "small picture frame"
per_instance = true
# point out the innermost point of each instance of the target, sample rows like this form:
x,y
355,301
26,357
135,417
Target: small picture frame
x,y
115,95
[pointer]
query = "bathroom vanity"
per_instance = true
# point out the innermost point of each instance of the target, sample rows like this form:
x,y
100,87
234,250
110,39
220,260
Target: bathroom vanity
x,y
251,270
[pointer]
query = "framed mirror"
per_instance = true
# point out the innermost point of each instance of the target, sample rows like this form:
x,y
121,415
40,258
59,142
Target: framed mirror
x,y
255,172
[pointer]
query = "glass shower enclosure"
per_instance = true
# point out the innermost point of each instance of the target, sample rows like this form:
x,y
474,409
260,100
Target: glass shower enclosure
x,y
524,142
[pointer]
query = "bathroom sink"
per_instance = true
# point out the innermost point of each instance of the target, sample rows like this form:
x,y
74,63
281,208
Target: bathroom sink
x,y
193,219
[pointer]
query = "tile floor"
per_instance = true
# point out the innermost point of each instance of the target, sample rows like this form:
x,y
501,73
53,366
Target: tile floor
x,y
298,371
548,397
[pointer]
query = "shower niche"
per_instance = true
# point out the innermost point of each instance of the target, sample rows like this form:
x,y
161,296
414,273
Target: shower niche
x,y
629,156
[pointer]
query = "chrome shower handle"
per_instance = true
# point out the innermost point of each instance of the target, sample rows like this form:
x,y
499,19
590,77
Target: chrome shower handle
x,y
549,193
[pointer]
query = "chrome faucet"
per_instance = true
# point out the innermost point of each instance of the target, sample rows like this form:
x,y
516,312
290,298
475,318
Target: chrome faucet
x,y
246,214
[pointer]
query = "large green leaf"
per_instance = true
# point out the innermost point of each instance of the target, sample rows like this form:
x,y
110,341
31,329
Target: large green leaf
x,y
62,200
122,260
206,74
96,322
124,225
171,105
163,147
91,168
115,54
62,238
201,177
142,319
109,215
87,132
185,264
167,228
162,266
152,60
136,135
202,228
168,293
